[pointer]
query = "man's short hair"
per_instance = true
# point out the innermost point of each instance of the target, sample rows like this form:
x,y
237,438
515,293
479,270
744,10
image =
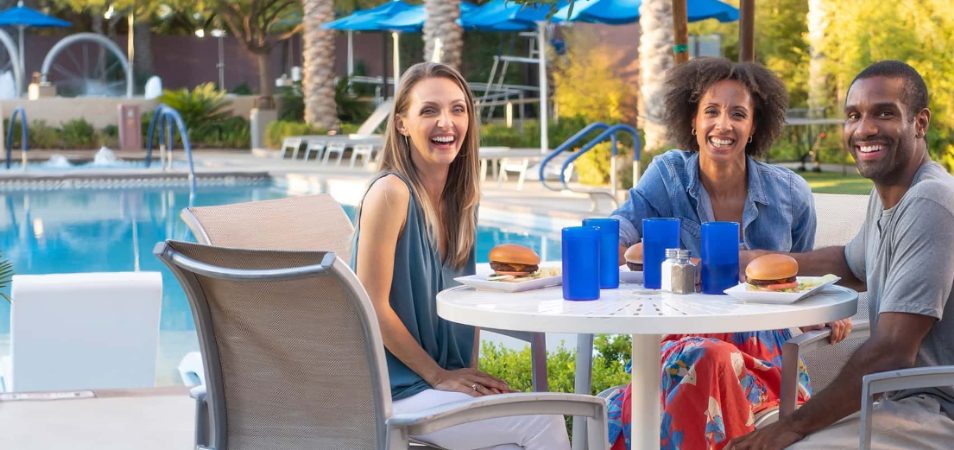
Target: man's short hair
x,y
914,90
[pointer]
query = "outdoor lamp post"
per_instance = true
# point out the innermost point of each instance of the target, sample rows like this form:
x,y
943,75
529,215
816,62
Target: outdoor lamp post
x,y
219,34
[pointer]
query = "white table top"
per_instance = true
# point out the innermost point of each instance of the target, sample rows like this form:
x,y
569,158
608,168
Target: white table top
x,y
633,310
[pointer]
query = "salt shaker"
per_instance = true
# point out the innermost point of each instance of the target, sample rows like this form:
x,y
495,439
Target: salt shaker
x,y
678,272
667,269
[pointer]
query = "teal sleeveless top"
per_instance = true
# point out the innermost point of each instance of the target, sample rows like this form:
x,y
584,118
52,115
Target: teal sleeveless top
x,y
419,274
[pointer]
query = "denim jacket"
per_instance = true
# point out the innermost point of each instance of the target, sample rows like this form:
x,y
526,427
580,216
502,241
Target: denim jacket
x,y
779,212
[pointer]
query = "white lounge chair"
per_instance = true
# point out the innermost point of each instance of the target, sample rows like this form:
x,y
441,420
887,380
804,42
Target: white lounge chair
x,y
83,331
293,144
364,151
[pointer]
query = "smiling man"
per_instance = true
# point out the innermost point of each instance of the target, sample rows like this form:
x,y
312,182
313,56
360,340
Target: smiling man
x,y
903,255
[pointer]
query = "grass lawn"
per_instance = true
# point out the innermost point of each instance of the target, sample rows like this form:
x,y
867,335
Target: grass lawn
x,y
836,183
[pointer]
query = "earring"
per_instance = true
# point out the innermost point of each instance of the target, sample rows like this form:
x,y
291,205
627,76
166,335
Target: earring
x,y
750,138
693,131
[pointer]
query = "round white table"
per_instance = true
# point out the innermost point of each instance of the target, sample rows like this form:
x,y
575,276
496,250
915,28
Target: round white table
x,y
646,315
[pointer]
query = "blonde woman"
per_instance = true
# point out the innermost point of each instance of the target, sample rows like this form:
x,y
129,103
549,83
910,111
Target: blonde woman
x,y
416,232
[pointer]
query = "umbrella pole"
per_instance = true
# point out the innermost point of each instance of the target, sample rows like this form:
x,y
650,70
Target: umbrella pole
x,y
542,54
747,31
396,58
22,60
680,32
350,56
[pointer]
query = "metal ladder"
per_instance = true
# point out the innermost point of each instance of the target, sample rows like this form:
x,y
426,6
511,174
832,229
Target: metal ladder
x,y
167,117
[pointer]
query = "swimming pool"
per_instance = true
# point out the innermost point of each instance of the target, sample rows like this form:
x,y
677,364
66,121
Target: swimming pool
x,y
110,230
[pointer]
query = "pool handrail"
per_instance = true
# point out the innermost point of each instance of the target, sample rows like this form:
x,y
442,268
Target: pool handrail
x,y
566,145
24,135
607,133
166,114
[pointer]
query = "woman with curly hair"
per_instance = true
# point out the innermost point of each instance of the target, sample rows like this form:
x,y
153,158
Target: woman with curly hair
x,y
724,115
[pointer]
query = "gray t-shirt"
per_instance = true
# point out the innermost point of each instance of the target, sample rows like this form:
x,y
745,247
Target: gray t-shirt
x,y
906,254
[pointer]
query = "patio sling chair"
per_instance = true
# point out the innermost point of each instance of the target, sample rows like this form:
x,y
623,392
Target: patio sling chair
x,y
295,359
825,360
314,222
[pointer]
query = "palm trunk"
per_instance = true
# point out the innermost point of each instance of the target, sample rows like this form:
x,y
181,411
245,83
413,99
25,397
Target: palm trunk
x,y
655,58
819,96
143,46
319,61
265,99
441,26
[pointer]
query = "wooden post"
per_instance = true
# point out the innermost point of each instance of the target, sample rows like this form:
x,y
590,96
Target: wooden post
x,y
680,32
747,31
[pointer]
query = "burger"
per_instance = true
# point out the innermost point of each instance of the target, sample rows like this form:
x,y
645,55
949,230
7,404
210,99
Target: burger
x,y
634,257
772,272
513,259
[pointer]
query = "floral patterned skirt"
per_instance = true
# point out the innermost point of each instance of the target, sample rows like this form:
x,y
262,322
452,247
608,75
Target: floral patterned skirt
x,y
713,385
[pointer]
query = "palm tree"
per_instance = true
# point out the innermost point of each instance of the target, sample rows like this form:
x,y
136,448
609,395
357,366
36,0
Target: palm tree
x,y
655,58
441,24
318,84
818,92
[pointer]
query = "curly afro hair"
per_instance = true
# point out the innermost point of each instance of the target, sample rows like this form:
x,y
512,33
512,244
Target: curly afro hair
x,y
686,84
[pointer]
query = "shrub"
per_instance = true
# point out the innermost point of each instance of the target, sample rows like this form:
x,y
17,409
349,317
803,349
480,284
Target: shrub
x,y
233,132
280,129
108,136
291,105
513,366
40,135
204,105
78,133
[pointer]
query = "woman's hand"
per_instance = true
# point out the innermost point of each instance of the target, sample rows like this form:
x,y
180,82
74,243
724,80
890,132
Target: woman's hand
x,y
469,381
840,329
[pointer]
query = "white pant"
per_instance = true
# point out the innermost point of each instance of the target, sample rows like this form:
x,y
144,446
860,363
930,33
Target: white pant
x,y
515,432
912,423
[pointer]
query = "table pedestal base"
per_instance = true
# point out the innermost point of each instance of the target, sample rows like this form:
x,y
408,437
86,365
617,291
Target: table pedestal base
x,y
645,400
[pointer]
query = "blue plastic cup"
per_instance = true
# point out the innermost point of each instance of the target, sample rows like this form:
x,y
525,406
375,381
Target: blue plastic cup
x,y
720,256
609,250
658,235
581,263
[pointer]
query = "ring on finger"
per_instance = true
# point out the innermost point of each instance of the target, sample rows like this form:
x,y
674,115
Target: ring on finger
x,y
474,386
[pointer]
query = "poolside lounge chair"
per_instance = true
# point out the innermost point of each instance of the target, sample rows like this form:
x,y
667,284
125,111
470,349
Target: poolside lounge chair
x,y
336,148
365,151
295,358
83,331
292,144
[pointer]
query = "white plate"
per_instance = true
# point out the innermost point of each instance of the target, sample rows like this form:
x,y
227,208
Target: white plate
x,y
629,276
481,282
742,292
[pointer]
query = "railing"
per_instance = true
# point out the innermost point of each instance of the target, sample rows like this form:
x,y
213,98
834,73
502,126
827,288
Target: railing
x,y
567,145
609,132
166,117
24,136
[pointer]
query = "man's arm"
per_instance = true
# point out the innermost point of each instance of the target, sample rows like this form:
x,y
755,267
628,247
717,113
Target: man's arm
x,y
894,345
817,262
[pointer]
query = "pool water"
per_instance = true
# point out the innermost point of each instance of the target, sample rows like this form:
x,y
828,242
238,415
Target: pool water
x,y
65,231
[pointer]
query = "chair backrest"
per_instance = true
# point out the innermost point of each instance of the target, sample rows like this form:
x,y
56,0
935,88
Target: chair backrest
x,y
840,216
84,331
375,119
311,222
826,362
291,346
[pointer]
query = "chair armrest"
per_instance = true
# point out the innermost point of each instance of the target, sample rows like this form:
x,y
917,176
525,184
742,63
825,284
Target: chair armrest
x,y
505,405
202,418
792,351
895,380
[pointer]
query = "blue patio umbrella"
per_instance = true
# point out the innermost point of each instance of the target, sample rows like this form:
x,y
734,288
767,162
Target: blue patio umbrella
x,y
22,17
617,12
506,15
412,20
370,20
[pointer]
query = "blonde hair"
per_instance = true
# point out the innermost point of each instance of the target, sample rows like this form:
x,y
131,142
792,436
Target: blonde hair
x,y
458,220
